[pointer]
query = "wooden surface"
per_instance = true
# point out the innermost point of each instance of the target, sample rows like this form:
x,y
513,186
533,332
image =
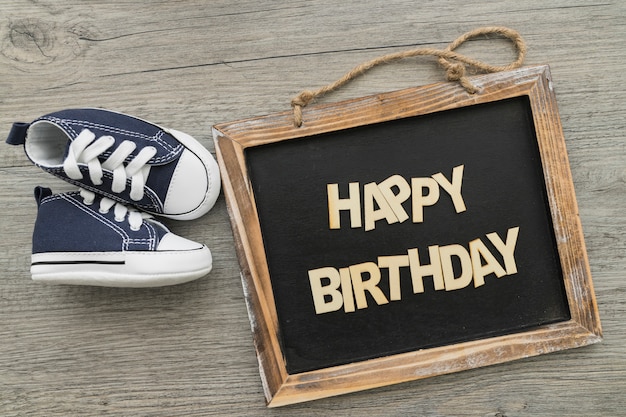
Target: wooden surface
x,y
187,350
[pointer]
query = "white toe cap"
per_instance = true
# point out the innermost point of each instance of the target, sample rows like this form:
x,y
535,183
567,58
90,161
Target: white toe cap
x,y
188,187
174,242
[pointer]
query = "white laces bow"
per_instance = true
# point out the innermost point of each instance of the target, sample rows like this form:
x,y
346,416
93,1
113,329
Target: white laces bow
x,y
85,150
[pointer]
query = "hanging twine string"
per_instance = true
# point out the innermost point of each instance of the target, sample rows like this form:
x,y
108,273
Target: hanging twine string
x,y
453,63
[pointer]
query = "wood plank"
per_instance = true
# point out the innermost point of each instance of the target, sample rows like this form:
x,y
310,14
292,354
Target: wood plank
x,y
188,350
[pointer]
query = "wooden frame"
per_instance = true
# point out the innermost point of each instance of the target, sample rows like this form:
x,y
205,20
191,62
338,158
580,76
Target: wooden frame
x,y
281,388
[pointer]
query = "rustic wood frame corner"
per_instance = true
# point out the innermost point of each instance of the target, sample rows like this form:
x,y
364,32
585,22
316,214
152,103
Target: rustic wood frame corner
x,y
281,388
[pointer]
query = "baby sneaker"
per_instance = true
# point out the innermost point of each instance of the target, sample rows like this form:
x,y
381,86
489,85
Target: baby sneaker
x,y
83,238
158,170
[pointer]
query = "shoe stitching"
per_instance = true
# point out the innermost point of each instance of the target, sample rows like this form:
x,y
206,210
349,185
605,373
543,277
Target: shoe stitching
x,y
104,193
152,233
155,203
72,197
100,126
127,241
171,151
76,195
50,198
82,206
139,242
72,200
109,175
155,208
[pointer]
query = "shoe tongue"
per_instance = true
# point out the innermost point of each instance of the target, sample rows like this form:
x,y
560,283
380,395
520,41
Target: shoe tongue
x,y
67,148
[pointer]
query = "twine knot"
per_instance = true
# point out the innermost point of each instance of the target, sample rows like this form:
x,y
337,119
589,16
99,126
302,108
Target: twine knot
x,y
455,70
303,98
298,102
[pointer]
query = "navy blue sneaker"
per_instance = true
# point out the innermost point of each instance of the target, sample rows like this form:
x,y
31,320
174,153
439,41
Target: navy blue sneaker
x,y
86,239
158,170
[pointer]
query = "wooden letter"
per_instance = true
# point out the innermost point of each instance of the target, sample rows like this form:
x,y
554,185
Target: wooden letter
x,y
506,249
478,252
370,285
453,188
395,200
336,204
394,263
372,197
419,200
346,290
418,271
446,253
321,291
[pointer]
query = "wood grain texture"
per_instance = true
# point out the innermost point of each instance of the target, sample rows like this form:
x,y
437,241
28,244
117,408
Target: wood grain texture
x,y
187,350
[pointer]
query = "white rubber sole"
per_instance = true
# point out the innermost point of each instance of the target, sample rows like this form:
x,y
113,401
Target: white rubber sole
x,y
213,175
121,269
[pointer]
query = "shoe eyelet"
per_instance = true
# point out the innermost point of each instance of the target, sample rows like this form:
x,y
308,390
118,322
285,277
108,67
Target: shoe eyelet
x,y
135,229
119,220
103,211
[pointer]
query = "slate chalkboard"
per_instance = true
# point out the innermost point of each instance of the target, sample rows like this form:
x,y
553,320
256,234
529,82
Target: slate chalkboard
x,y
407,235
503,187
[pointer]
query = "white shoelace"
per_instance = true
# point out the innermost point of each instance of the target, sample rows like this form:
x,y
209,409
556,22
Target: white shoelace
x,y
84,149
135,218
